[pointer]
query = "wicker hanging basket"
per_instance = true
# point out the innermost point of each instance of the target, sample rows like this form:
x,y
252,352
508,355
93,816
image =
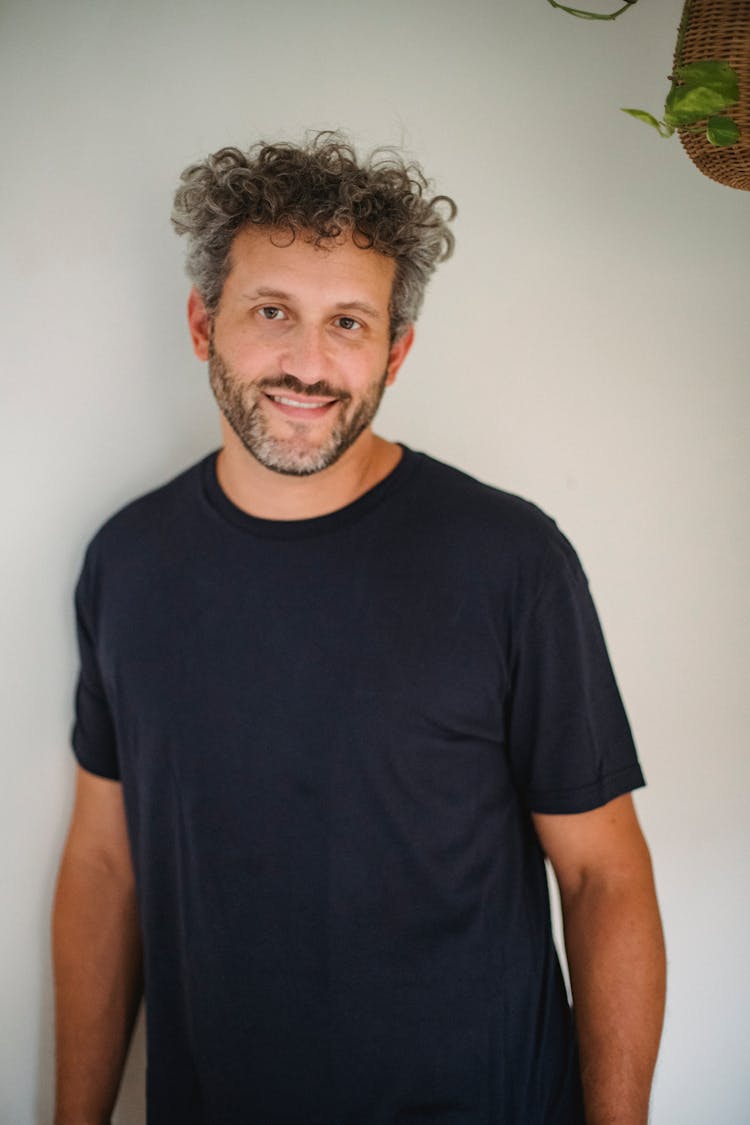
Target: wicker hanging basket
x,y
719,29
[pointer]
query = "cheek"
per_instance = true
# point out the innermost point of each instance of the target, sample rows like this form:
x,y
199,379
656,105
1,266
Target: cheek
x,y
243,351
372,362
361,377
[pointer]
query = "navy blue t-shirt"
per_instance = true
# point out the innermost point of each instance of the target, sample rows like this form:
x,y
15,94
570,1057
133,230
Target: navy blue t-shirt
x,y
330,734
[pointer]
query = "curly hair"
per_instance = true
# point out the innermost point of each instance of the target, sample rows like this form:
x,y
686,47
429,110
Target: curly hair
x,y
321,190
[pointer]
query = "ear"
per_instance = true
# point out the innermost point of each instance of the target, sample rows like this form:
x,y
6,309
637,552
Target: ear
x,y
199,322
398,353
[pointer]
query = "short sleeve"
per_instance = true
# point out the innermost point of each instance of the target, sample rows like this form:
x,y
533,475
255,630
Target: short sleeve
x,y
94,742
568,736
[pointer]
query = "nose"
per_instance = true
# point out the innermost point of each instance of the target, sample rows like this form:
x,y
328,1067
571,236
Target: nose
x,y
306,355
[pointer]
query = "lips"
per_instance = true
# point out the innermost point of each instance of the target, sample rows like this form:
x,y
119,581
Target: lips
x,y
301,406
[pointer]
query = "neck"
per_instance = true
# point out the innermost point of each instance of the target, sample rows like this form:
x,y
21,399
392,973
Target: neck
x,y
267,494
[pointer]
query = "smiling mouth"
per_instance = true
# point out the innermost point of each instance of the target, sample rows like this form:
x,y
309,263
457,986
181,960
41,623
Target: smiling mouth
x,y
297,406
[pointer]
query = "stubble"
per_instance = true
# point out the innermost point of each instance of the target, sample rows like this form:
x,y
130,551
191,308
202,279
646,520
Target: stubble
x,y
300,453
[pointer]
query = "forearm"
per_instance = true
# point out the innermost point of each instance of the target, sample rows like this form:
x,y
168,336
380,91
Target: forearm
x,y
98,984
615,949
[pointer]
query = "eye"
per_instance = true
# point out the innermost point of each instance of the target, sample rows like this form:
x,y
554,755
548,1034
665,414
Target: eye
x,y
271,312
348,322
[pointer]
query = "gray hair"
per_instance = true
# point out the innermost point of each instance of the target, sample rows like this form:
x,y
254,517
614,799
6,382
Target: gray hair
x,y
322,190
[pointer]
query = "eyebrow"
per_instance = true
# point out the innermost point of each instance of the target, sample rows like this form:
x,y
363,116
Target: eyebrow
x,y
280,295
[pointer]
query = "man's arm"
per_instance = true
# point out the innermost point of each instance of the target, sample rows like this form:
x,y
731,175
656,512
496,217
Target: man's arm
x,y
96,953
615,949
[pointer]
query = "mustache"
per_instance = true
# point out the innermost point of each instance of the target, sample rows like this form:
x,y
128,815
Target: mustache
x,y
285,382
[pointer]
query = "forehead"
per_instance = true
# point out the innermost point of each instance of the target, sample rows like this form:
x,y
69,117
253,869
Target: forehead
x,y
263,257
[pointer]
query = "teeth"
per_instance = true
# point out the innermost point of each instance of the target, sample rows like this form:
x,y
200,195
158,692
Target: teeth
x,y
300,405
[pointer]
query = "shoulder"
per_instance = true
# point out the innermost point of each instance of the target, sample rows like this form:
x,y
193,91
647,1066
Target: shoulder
x,y
492,523
151,521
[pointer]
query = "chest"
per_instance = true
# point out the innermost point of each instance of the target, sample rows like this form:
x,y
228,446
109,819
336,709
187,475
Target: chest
x,y
291,640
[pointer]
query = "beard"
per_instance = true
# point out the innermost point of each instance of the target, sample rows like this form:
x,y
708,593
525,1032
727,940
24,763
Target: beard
x,y
299,454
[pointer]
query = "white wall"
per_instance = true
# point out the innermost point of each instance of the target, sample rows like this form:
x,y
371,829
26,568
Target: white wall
x,y
587,347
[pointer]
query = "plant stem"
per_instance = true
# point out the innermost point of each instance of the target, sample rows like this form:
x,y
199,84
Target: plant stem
x,y
583,15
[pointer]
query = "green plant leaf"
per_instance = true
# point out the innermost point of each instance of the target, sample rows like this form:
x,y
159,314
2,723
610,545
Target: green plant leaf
x,y
700,90
687,104
711,74
722,131
661,127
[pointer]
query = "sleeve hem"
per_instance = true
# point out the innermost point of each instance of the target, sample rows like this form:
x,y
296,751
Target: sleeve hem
x,y
108,771
587,797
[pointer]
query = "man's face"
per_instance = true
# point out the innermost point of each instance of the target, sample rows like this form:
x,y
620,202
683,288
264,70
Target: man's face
x,y
299,349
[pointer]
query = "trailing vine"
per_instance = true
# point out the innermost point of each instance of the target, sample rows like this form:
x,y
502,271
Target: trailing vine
x,y
584,15
699,90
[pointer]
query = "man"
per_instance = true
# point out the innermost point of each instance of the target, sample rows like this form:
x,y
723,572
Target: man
x,y
337,701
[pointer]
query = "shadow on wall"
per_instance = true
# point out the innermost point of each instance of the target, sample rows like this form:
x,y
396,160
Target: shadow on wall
x,y
131,1104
